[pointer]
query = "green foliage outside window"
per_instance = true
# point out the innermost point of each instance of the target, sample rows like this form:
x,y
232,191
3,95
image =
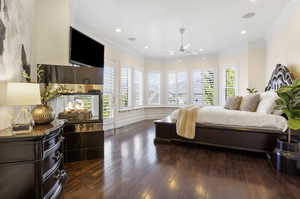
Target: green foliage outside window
x,y
107,104
208,88
230,83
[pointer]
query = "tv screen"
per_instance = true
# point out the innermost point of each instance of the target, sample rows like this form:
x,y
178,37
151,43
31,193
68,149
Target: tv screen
x,y
84,50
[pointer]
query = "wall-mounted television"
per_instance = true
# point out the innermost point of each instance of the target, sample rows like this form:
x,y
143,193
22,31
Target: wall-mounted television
x,y
84,50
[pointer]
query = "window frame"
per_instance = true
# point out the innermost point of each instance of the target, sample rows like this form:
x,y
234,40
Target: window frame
x,y
106,120
141,88
129,88
203,71
224,87
186,88
159,89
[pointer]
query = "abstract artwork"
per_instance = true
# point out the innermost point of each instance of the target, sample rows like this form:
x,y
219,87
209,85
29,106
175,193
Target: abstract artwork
x,y
16,24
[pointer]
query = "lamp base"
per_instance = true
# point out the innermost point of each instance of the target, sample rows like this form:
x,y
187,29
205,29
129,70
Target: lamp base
x,y
23,122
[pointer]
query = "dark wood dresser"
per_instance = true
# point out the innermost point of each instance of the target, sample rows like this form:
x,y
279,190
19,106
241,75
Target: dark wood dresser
x,y
31,165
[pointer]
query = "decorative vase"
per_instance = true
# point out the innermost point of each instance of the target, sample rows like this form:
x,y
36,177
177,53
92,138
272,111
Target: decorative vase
x,y
287,156
43,114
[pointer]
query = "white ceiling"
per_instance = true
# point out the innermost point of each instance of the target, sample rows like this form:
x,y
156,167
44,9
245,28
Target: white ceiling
x,y
212,25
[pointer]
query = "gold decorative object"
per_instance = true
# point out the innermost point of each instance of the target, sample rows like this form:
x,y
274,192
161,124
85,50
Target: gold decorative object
x,y
43,114
50,93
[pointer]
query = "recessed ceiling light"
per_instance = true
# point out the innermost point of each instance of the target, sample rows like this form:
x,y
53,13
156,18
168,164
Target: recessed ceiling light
x,y
201,50
118,30
243,32
249,15
131,38
146,47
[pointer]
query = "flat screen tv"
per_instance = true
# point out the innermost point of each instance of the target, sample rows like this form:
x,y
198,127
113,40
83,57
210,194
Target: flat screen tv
x,y
84,50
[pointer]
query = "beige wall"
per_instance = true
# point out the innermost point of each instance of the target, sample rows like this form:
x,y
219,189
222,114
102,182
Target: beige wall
x,y
283,40
249,61
51,32
257,65
235,57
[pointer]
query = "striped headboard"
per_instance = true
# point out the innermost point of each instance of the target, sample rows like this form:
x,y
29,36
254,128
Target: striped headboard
x,y
281,76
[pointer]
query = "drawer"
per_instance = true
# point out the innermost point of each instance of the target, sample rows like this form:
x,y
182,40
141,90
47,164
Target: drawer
x,y
51,162
52,145
49,142
52,185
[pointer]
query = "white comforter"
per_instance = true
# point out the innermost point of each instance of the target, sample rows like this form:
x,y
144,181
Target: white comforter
x,y
217,115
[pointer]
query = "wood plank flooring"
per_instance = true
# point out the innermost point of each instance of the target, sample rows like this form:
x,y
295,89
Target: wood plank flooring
x,y
136,168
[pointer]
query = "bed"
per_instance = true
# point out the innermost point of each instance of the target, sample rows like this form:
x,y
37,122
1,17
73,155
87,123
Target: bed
x,y
254,136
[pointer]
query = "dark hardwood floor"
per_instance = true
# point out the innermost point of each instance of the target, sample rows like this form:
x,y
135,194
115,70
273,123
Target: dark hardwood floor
x,y
135,168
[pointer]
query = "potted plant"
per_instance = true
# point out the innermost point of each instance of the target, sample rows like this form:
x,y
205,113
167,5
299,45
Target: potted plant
x,y
287,151
252,90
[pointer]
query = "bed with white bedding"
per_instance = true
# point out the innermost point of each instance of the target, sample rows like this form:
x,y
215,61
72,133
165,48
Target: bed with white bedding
x,y
216,126
218,116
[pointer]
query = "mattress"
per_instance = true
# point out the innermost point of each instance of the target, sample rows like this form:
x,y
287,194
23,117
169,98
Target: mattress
x,y
217,115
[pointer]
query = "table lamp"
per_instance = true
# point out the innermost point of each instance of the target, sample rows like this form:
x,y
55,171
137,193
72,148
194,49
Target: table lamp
x,y
24,95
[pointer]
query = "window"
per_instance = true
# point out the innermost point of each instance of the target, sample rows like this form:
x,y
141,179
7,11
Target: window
x,y
138,87
154,88
108,91
177,88
203,88
230,82
125,88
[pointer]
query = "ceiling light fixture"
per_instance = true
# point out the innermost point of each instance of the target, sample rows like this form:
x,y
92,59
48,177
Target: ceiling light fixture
x,y
146,47
249,15
131,38
243,32
118,30
201,50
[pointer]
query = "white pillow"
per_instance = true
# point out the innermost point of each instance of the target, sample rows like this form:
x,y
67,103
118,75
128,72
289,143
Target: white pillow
x,y
267,102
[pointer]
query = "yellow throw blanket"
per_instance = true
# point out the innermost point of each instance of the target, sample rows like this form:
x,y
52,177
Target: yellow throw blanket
x,y
186,122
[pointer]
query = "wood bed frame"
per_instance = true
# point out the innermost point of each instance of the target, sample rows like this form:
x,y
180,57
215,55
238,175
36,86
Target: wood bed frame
x,y
229,137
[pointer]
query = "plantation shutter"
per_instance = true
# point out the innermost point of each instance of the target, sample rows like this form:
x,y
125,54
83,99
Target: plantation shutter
x,y
108,93
124,88
153,88
138,87
203,88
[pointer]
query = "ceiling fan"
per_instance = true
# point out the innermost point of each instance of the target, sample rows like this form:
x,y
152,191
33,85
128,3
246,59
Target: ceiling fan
x,y
184,48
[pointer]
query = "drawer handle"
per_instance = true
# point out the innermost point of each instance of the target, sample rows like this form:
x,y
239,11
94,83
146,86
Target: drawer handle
x,y
60,140
60,175
58,156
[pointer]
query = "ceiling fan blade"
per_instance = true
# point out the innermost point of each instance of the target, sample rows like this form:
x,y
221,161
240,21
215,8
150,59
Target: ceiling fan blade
x,y
187,46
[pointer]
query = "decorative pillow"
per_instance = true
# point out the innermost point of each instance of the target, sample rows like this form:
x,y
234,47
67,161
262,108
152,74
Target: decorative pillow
x,y
250,103
267,102
233,103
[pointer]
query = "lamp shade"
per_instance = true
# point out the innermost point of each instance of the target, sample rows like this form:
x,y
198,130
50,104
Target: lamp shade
x,y
3,93
22,94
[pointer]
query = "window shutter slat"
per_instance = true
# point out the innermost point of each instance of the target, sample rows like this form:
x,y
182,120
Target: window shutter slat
x,y
203,88
108,91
